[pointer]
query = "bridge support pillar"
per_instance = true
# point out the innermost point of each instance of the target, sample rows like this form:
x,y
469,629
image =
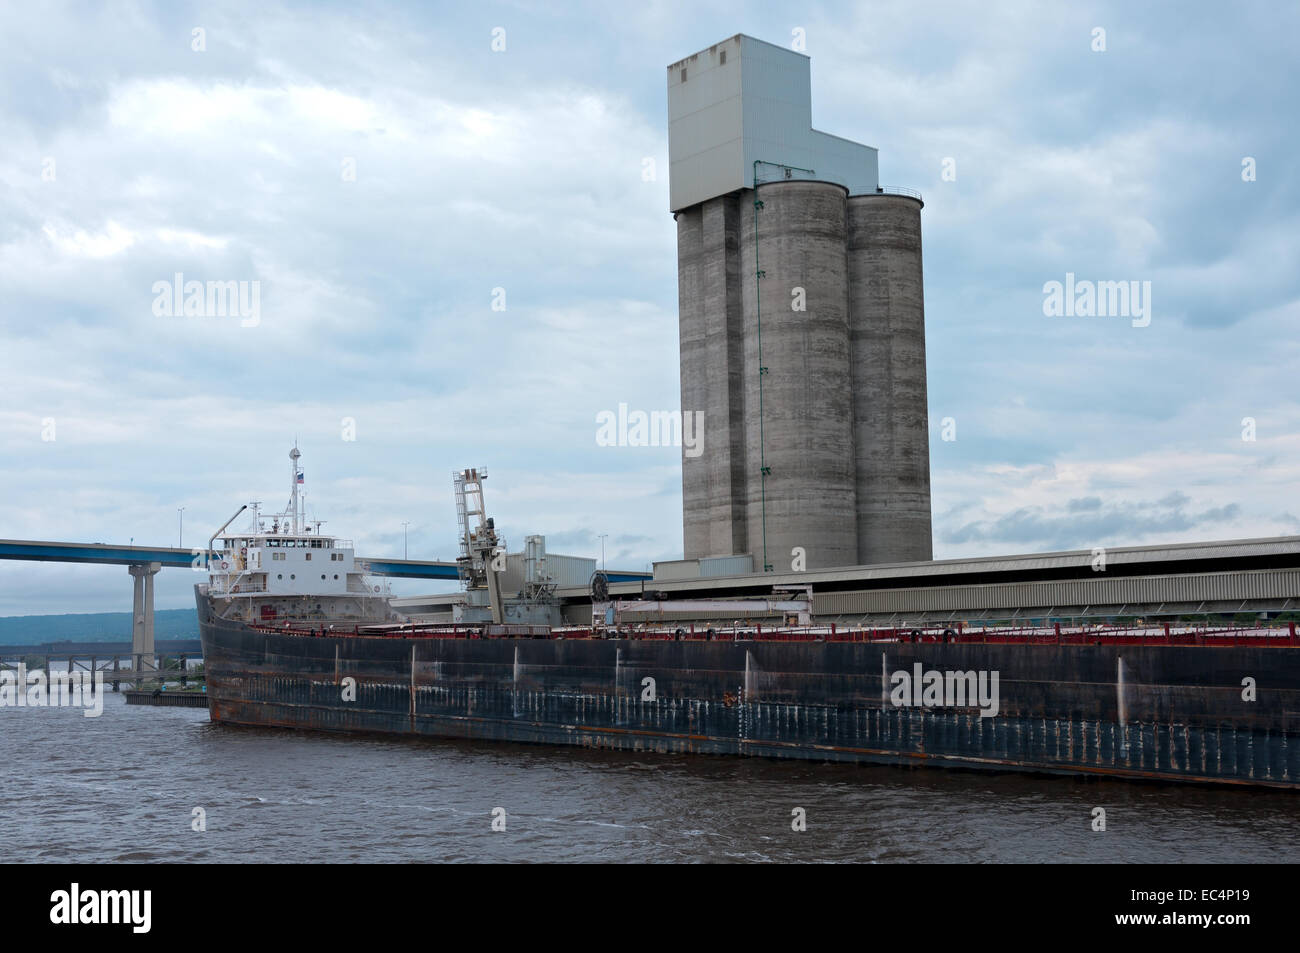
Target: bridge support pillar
x,y
142,644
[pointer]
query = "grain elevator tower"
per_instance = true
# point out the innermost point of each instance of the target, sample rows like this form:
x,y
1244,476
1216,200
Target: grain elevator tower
x,y
801,319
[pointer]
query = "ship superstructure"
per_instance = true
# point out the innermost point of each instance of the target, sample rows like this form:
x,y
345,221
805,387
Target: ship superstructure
x,y
283,568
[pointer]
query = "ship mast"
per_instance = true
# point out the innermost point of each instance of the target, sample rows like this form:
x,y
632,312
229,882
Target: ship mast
x,y
293,480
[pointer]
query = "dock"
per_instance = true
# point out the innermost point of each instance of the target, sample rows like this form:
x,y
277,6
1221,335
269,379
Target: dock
x,y
168,699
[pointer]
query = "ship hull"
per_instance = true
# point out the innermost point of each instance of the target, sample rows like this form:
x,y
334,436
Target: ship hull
x,y
1175,713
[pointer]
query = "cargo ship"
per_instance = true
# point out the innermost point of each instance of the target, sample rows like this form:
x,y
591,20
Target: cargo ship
x,y
296,634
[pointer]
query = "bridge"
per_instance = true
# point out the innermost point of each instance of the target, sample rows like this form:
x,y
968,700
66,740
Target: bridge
x,y
107,554
144,562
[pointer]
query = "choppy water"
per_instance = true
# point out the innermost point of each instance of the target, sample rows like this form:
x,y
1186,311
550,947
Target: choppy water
x,y
122,787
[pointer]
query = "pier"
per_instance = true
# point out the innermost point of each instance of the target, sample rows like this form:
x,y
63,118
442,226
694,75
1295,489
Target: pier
x,y
168,699
115,662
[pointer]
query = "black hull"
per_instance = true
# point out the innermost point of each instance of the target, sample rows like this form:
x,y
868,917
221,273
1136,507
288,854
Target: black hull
x,y
1184,717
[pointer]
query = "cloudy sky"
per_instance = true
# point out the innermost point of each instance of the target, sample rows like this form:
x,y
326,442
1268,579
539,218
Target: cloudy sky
x,y
380,169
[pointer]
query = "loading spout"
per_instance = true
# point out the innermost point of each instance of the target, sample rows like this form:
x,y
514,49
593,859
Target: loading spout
x,y
213,537
494,592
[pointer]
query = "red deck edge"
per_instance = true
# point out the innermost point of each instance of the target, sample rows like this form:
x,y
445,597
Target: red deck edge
x,y
1225,636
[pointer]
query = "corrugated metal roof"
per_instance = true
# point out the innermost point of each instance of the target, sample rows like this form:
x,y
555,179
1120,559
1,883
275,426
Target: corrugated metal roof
x,y
1152,554
1268,584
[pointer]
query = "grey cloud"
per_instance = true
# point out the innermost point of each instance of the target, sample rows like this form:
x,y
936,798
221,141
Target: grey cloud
x,y
1113,523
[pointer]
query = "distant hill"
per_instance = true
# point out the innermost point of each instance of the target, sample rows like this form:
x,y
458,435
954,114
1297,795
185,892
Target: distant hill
x,y
94,627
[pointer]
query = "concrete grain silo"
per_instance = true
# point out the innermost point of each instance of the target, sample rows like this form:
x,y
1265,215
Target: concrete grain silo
x,y
803,430
712,373
785,241
887,327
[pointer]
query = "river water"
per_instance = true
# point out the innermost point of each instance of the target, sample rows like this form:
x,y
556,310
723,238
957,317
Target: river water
x,y
124,786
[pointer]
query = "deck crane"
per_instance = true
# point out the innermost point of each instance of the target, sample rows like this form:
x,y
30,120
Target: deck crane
x,y
482,551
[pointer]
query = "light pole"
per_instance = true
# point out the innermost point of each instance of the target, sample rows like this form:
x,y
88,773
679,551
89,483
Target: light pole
x,y
404,525
602,551
180,528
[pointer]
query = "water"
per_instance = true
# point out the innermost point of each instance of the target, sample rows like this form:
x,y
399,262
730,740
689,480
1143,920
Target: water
x,y
122,787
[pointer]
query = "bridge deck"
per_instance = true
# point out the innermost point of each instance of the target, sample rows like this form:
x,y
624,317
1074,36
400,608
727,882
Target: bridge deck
x,y
30,550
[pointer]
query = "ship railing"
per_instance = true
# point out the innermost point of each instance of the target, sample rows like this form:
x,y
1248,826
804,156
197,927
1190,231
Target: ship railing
x,y
1079,634
991,635
959,633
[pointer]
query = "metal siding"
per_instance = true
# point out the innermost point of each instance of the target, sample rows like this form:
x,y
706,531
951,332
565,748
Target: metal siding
x,y
726,565
567,571
706,155
1116,591
512,580
674,569
756,106
570,570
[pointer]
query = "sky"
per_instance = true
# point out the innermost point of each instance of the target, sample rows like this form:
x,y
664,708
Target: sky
x,y
460,260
